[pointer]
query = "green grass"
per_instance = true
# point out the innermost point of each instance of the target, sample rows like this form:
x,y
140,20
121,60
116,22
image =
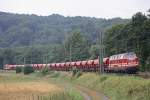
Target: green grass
x,y
118,87
115,86
13,77
69,93
58,78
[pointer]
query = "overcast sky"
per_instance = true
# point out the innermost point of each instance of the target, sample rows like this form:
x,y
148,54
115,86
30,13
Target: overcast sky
x,y
92,8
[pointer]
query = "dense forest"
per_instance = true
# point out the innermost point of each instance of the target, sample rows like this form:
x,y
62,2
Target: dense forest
x,y
25,30
55,38
131,37
43,39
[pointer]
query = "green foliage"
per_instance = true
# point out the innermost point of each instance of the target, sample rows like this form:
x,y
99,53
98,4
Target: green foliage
x,y
11,77
55,74
79,73
28,69
76,72
20,33
94,51
44,71
77,46
67,95
25,30
18,69
131,37
117,87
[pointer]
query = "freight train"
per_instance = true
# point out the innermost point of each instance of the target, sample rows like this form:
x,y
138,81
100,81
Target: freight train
x,y
126,62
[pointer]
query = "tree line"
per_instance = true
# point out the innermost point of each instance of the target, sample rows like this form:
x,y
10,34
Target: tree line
x,y
75,47
18,30
131,37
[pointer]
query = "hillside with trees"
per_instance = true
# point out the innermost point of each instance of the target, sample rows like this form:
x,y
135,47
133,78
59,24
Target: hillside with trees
x,y
38,39
24,30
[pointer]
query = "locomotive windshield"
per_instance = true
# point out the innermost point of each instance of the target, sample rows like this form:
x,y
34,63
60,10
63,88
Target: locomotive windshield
x,y
131,55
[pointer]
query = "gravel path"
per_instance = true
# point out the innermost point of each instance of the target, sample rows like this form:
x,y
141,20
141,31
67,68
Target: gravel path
x,y
89,94
85,95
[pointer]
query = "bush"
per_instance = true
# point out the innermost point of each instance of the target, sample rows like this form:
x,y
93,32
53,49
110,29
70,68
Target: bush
x,y
76,72
28,70
18,69
79,73
44,71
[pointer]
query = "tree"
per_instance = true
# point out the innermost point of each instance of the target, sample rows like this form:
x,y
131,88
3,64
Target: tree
x,y
1,59
131,37
76,47
94,51
26,30
140,36
8,56
115,40
148,13
58,54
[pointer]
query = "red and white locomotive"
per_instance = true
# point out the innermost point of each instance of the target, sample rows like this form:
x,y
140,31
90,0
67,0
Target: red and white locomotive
x,y
122,62
127,62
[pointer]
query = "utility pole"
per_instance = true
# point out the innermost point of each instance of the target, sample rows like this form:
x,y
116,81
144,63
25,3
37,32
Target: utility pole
x,y
101,53
70,53
24,60
46,59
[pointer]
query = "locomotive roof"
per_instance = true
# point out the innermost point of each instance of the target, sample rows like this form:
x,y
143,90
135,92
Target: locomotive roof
x,y
123,56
